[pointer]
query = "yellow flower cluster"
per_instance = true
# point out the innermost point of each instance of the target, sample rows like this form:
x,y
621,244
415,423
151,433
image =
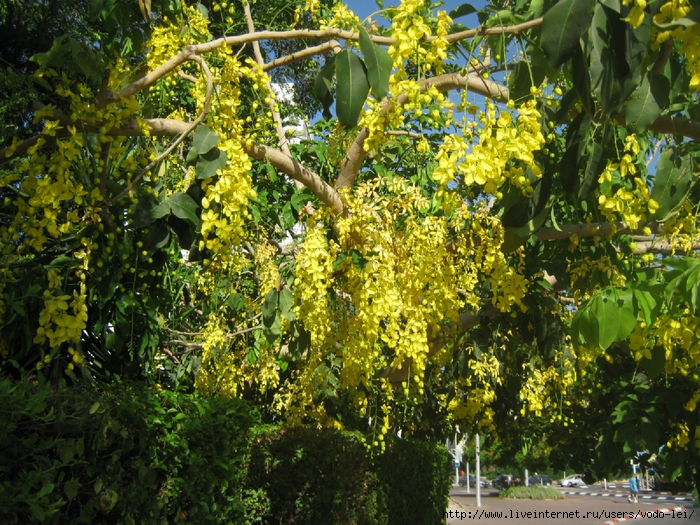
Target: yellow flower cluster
x,y
619,201
679,339
409,28
681,437
687,35
169,38
475,393
393,277
582,268
314,266
221,372
343,18
63,318
507,284
226,198
267,269
504,152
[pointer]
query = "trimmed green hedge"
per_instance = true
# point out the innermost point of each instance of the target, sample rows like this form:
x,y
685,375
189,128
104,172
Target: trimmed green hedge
x,y
130,454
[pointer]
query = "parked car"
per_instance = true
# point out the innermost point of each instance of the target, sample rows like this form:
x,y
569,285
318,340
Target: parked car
x,y
505,481
539,479
575,480
472,481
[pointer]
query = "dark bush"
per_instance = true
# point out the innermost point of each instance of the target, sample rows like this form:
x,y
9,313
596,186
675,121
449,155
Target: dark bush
x,y
315,477
131,454
125,455
416,477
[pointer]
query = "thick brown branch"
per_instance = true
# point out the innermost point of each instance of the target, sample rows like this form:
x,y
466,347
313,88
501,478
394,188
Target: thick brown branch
x,y
356,154
205,111
297,171
332,45
484,31
663,247
331,33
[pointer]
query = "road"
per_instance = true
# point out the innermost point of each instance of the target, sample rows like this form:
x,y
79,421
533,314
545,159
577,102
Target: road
x,y
575,509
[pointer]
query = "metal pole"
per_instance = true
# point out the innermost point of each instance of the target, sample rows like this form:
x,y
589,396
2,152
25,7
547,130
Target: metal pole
x,y
467,476
527,480
478,472
456,463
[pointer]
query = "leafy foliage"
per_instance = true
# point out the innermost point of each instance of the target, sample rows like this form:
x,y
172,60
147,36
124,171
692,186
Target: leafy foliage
x,y
135,455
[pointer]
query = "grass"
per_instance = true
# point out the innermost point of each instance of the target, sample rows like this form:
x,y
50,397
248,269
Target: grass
x,y
531,493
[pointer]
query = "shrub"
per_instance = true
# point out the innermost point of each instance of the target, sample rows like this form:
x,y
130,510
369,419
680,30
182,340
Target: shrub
x,y
531,493
127,454
315,476
416,478
130,454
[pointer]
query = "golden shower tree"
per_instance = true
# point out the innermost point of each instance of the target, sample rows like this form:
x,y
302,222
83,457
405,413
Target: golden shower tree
x,y
489,227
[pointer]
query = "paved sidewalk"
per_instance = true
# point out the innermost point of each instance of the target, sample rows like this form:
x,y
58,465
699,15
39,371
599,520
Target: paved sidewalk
x,y
574,510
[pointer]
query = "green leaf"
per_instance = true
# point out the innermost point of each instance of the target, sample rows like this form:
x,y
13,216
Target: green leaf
x,y
609,316
512,240
462,10
582,82
204,140
286,302
269,307
657,364
379,64
624,300
562,27
616,55
592,170
71,488
353,87
157,237
159,211
674,179
647,102
46,489
185,208
37,510
646,303
299,199
575,144
288,214
608,320
322,86
522,78
94,407
210,163
272,332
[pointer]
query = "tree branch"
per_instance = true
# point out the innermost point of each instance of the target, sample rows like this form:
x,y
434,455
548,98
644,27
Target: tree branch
x,y
332,45
205,110
329,196
356,154
602,229
281,138
311,34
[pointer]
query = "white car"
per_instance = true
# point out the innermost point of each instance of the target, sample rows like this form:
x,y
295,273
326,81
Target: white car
x,y
575,480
